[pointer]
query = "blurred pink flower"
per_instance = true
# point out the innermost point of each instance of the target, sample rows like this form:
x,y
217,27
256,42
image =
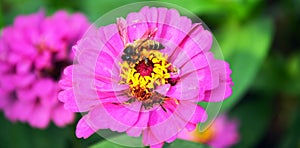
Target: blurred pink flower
x,y
33,53
144,76
221,134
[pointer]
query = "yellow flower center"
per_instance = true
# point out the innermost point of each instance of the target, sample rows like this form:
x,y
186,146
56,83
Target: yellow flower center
x,y
149,70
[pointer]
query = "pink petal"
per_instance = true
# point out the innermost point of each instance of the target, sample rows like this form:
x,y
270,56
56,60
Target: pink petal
x,y
185,135
172,26
78,25
4,67
97,64
186,88
47,86
54,33
43,60
4,101
223,90
208,78
172,139
197,62
199,40
113,116
74,104
226,132
24,80
26,94
9,113
109,35
17,42
190,126
87,51
22,21
40,117
23,67
23,109
172,29
136,26
14,58
51,99
66,81
165,125
6,82
83,129
150,139
151,15
62,117
163,89
106,66
160,145
199,115
218,94
140,125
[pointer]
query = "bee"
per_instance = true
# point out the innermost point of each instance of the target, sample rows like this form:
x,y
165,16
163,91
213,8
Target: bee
x,y
135,52
154,98
132,53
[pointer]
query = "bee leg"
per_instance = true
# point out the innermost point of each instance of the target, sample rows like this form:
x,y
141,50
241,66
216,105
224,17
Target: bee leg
x,y
146,61
163,107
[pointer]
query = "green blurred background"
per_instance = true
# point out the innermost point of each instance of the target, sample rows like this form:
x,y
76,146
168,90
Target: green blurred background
x,y
259,38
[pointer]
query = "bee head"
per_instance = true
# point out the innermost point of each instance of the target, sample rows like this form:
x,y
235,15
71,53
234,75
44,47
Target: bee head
x,y
129,50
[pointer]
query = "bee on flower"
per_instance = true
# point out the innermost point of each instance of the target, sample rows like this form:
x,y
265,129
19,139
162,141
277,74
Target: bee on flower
x,y
144,75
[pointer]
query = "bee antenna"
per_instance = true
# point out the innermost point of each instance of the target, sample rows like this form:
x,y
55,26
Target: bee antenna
x,y
163,107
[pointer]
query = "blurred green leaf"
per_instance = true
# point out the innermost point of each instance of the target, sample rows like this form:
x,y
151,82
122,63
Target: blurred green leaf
x,y
254,115
1,17
244,47
176,144
22,135
280,74
184,144
95,8
13,135
292,81
197,6
291,138
231,8
107,144
13,8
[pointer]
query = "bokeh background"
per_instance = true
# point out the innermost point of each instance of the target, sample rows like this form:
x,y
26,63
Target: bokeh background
x,y
259,38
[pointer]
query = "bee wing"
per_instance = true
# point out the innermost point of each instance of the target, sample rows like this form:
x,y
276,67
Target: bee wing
x,y
122,28
150,33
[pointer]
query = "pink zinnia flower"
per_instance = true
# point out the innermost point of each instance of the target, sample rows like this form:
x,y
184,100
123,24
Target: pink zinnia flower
x,y
221,133
144,76
33,53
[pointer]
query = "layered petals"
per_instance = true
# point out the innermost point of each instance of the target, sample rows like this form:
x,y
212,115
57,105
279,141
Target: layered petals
x,y
33,53
106,84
